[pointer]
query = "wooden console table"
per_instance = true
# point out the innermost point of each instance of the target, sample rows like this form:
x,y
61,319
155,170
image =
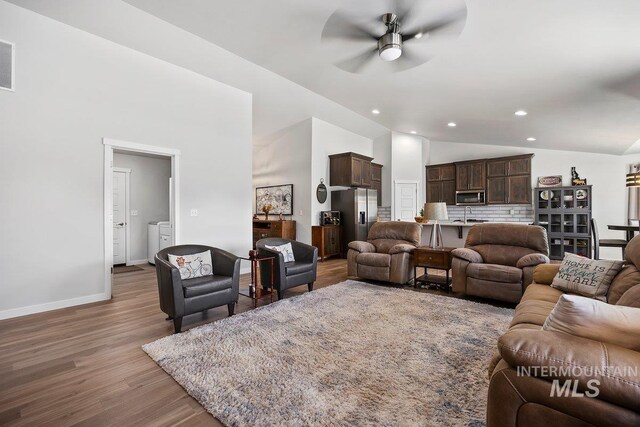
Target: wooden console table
x,y
265,228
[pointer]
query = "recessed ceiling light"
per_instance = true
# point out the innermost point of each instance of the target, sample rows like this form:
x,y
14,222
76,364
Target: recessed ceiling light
x,y
413,132
531,139
418,36
374,111
520,113
451,124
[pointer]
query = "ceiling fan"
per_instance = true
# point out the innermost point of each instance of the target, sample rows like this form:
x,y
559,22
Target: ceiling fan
x,y
390,45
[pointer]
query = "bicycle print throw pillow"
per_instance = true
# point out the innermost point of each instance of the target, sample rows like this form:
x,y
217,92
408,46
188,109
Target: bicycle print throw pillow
x,y
194,265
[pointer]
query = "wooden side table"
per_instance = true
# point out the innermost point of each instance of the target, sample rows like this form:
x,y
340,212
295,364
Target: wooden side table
x,y
438,259
254,290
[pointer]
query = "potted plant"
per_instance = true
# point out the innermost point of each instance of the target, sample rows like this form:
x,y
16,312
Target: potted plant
x,y
420,217
265,210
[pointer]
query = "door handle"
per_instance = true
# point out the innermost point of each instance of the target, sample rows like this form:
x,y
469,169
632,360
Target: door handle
x,y
362,218
120,224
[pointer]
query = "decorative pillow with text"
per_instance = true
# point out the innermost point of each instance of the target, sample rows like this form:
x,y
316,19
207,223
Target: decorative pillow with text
x,y
587,277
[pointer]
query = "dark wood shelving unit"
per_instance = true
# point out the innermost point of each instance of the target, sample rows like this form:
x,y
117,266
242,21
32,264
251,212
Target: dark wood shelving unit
x,y
565,212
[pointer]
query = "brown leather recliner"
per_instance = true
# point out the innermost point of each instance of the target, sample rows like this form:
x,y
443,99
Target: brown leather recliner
x,y
387,255
498,260
525,398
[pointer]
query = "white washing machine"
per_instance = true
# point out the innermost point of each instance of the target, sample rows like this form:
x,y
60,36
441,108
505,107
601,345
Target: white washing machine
x,y
159,237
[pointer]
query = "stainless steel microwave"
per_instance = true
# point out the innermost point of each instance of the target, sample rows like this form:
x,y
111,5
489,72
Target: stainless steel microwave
x,y
464,198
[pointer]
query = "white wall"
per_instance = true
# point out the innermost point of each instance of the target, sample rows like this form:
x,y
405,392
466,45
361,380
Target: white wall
x,y
287,160
330,139
407,163
149,197
382,155
605,172
73,89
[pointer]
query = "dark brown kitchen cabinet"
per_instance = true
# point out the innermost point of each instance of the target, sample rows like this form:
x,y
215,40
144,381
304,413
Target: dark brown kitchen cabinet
x,y
471,175
376,180
509,180
441,183
350,170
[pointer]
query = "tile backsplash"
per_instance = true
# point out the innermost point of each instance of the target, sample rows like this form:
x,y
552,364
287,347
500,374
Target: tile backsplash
x,y
384,213
521,213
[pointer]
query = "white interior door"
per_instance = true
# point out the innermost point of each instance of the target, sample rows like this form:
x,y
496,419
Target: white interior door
x,y
119,217
406,201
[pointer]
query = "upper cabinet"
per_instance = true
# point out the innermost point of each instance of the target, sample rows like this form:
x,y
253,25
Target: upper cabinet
x,y
376,180
509,180
350,170
471,175
441,183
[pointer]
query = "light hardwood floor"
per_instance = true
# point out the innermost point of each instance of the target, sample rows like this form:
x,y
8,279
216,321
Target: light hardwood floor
x,y
84,365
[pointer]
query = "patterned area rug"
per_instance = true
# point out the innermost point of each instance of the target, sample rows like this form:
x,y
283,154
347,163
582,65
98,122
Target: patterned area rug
x,y
351,354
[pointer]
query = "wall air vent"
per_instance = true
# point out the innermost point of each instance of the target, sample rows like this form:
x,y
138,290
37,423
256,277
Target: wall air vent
x,y
7,66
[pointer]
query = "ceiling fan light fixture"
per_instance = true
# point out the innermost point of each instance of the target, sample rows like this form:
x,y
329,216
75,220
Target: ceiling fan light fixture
x,y
390,46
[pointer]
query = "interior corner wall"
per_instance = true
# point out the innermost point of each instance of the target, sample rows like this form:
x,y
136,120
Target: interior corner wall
x,y
382,155
149,197
605,172
287,160
407,163
329,139
73,89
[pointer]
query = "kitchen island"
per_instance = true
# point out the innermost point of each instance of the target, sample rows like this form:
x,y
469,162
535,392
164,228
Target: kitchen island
x,y
454,233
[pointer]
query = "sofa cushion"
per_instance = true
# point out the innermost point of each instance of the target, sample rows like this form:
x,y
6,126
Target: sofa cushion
x,y
631,298
587,277
501,254
628,277
205,285
192,265
383,246
374,259
596,320
532,312
541,293
297,267
408,232
494,272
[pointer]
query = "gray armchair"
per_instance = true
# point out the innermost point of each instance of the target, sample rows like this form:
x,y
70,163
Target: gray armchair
x,y
287,275
179,298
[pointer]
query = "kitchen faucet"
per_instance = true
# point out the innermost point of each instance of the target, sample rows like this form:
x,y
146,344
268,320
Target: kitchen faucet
x,y
465,213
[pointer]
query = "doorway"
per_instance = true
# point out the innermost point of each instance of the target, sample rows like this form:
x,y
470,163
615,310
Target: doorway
x,y
405,200
118,210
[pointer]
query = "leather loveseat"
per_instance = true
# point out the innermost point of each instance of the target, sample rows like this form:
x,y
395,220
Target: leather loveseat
x,y
526,400
387,255
498,260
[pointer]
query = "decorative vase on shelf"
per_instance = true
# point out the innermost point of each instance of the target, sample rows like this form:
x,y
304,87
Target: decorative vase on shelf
x,y
266,216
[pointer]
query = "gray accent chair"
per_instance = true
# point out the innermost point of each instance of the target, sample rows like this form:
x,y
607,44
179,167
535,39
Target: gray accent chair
x,y
179,298
287,275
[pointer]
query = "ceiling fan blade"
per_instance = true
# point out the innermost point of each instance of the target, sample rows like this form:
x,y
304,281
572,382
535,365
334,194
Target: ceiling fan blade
x,y
358,62
342,26
437,26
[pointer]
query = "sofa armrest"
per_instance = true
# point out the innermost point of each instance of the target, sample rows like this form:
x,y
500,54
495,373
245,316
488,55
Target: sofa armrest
x,y
304,253
559,356
401,247
531,260
362,247
169,288
467,254
544,273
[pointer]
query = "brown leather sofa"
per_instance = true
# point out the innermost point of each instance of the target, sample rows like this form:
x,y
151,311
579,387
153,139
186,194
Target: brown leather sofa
x,y
387,255
525,400
498,260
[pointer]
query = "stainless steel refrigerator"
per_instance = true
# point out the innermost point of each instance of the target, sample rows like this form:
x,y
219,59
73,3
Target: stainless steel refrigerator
x,y
358,211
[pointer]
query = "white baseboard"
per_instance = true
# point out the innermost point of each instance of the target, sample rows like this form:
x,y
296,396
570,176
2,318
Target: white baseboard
x,y
54,305
245,269
138,262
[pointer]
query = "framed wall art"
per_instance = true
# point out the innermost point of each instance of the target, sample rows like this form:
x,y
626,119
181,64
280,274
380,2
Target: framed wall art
x,y
279,197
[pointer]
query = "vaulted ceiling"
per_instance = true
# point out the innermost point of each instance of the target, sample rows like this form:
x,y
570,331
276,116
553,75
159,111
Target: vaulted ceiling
x,y
573,65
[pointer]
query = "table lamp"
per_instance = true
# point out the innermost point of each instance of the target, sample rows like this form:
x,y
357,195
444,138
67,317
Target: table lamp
x,y
436,212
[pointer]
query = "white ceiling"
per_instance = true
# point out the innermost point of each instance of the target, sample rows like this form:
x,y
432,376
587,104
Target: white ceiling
x,y
574,65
